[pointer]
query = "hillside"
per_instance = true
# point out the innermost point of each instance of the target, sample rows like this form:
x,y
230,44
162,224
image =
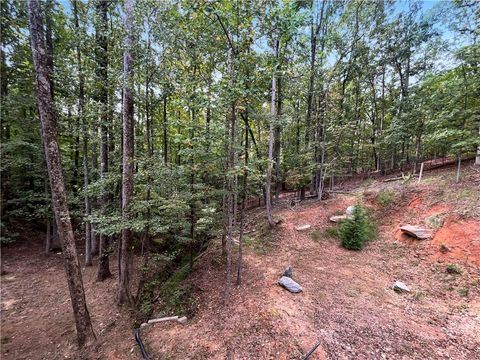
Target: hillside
x,y
347,301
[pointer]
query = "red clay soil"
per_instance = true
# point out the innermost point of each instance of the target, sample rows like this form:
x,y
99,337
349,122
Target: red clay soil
x,y
460,240
347,301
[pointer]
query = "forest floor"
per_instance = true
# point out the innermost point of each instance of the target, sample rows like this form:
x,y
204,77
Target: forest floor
x,y
347,303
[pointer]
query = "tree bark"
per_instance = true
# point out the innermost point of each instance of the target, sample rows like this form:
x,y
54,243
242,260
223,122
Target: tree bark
x,y
273,113
242,209
477,158
277,141
124,294
102,75
48,116
81,106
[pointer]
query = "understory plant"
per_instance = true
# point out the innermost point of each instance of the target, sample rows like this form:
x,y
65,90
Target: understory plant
x,y
355,231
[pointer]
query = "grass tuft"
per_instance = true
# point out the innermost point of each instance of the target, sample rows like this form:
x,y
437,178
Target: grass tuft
x,y
453,269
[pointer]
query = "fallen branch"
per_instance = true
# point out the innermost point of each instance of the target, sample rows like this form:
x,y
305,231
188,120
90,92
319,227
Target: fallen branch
x,y
400,178
338,192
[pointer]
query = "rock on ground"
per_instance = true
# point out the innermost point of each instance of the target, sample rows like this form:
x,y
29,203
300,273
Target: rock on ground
x,y
289,284
399,286
417,231
288,271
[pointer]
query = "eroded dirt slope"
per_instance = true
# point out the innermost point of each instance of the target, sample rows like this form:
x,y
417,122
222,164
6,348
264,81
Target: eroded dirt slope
x,y
347,303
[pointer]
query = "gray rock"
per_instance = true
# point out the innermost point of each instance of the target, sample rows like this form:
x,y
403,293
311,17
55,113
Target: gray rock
x,y
288,271
182,320
399,286
289,284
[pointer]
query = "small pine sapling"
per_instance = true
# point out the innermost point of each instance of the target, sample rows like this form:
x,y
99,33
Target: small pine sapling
x,y
355,231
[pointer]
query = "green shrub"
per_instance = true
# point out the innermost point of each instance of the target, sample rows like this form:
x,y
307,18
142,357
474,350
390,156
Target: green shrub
x,y
453,269
315,235
176,296
386,198
355,231
331,232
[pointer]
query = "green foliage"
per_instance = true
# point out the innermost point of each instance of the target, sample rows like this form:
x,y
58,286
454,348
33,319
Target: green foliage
x,y
176,296
386,198
463,292
315,235
453,269
356,231
332,232
434,221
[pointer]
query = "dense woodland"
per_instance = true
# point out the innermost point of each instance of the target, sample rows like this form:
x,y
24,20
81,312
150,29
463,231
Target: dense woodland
x,y
164,120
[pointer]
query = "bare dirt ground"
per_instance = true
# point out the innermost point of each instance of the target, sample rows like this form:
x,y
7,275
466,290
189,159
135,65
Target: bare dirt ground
x,y
347,301
37,320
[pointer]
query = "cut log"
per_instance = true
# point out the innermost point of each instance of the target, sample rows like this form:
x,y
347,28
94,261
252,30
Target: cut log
x,y
417,231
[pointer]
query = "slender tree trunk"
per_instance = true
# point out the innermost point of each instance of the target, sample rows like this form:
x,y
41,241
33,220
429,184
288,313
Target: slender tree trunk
x,y
165,130
76,157
273,114
85,334
277,143
49,44
102,75
242,209
459,166
477,158
81,105
322,155
192,193
315,27
124,294
230,178
48,238
93,177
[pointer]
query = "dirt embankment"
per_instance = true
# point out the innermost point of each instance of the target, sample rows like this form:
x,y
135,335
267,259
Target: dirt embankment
x,y
347,303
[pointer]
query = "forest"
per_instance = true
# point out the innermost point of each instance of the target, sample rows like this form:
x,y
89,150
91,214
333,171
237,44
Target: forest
x,y
136,135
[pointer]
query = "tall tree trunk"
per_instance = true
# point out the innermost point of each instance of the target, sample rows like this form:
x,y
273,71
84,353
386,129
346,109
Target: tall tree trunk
x,y
85,334
273,114
76,156
49,44
124,294
81,106
315,27
277,143
165,130
93,177
322,153
477,158
242,209
102,76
